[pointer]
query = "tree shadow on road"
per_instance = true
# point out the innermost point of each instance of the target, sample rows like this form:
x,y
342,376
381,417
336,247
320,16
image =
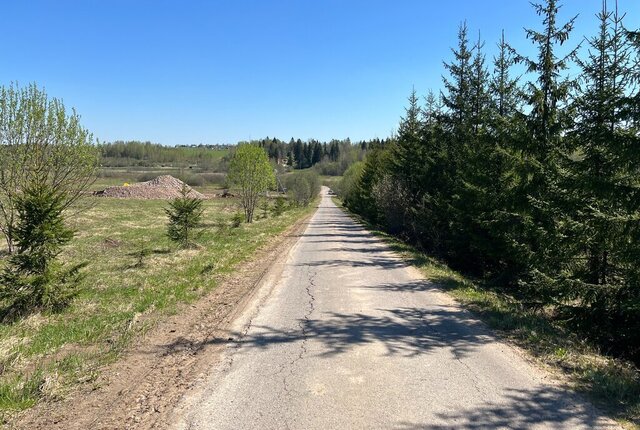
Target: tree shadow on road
x,y
407,332
347,225
344,240
418,286
383,262
337,237
542,407
363,250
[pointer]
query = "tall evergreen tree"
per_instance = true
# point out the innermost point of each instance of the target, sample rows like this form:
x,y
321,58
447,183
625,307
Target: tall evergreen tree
x,y
479,84
533,188
463,95
479,177
298,153
457,134
505,92
307,152
363,199
407,167
550,90
457,94
539,173
502,147
406,159
317,153
429,216
605,187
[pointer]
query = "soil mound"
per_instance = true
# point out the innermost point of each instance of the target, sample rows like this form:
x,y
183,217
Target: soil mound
x,y
162,187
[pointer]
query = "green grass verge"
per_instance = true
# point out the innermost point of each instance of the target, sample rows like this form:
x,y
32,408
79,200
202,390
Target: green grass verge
x,y
45,355
611,384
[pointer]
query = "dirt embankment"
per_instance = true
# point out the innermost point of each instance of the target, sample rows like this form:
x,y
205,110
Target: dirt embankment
x,y
142,388
162,187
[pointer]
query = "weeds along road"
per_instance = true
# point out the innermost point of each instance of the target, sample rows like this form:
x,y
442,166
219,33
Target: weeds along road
x,y
349,337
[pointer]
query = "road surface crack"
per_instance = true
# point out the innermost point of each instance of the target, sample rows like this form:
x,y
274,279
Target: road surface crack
x,y
303,325
472,375
310,308
239,339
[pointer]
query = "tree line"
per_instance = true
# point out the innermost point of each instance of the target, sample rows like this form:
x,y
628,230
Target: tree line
x,y
331,158
148,154
529,183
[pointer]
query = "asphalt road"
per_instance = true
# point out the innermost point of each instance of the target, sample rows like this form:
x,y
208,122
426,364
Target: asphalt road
x,y
349,337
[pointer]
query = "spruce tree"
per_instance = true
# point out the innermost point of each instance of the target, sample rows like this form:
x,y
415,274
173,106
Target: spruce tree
x,y
185,215
457,98
465,98
457,94
407,150
33,279
429,215
362,198
605,187
540,181
504,89
479,177
502,143
600,138
549,92
479,83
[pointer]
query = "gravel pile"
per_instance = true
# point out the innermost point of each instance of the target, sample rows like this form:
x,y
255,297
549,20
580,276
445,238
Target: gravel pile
x,y
162,187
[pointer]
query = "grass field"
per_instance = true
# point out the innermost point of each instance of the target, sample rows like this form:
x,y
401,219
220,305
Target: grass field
x,y
122,295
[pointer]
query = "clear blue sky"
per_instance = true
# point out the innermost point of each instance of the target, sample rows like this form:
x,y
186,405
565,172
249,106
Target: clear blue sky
x,y
189,72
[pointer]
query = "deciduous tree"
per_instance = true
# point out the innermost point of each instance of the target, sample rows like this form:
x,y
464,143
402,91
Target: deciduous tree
x,y
42,146
251,172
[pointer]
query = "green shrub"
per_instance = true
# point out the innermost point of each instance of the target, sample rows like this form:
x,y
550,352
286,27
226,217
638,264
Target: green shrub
x,y
193,180
279,207
347,188
185,214
264,206
303,186
214,178
141,252
147,176
33,280
237,219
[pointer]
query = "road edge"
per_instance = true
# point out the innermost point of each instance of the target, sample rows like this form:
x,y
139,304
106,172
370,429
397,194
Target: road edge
x,y
553,374
141,389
